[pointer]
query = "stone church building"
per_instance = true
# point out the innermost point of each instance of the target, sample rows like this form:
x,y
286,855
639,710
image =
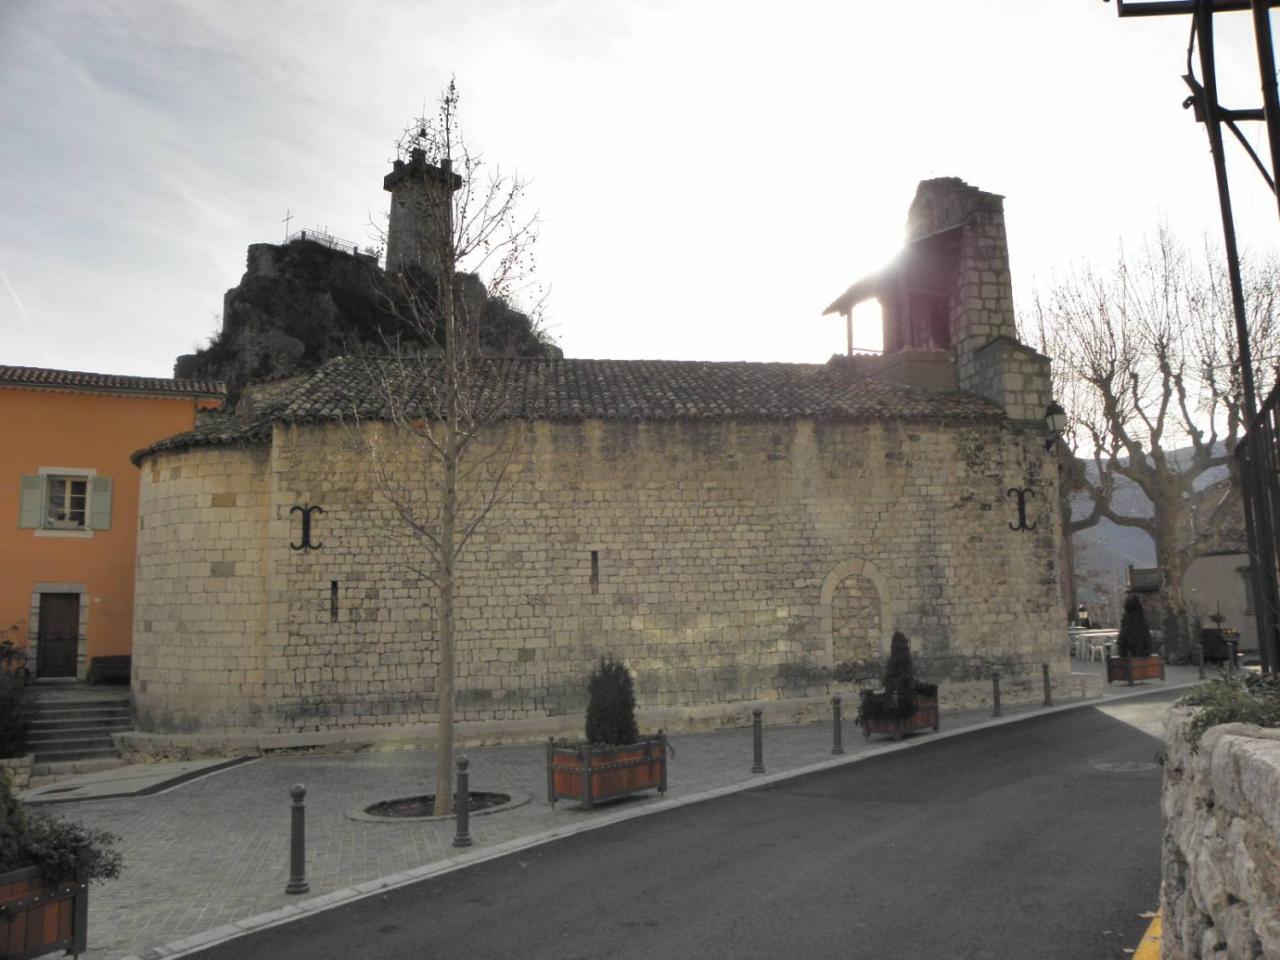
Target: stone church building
x,y
734,531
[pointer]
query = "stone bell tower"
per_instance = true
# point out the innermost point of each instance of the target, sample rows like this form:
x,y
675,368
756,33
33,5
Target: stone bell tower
x,y
421,211
947,304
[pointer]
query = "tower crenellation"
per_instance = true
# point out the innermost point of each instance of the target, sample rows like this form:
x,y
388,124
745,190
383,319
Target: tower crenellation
x,y
421,222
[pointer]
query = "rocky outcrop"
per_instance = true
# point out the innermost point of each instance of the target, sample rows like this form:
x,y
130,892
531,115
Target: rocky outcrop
x,y
1221,890
301,303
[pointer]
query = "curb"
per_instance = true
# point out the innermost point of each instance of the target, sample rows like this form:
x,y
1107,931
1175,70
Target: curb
x,y
338,898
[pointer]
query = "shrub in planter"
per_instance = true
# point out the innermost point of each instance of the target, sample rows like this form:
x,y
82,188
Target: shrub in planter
x,y
904,703
1135,661
614,760
1135,635
611,704
60,848
46,865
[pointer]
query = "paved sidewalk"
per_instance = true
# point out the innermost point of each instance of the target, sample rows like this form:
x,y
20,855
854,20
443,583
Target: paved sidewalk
x,y
215,850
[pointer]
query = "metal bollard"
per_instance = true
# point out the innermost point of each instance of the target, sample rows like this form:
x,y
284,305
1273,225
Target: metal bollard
x,y
757,736
1200,661
462,803
837,729
995,694
298,842
1048,690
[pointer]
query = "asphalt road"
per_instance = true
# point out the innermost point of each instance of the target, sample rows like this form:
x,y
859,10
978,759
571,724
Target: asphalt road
x,y
1037,839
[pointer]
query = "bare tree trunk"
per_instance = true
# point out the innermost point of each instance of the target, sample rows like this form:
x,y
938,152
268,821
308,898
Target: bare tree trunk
x,y
1172,565
448,553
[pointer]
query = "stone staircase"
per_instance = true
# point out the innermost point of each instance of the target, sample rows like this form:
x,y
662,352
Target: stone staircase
x,y
74,724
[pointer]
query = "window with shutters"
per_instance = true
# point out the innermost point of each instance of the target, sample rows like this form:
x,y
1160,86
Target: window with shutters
x,y
65,501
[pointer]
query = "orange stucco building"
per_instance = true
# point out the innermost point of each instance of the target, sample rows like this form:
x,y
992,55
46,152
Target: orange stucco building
x,y
69,505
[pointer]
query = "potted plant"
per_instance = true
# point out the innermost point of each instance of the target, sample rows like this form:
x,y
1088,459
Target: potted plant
x,y
613,760
46,865
904,704
1135,660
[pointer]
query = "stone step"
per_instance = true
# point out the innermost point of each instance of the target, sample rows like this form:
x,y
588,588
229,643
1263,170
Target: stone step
x,y
64,755
72,733
85,743
66,723
72,703
90,713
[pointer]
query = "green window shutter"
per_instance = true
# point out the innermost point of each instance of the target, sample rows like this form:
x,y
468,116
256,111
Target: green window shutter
x,y
31,512
100,504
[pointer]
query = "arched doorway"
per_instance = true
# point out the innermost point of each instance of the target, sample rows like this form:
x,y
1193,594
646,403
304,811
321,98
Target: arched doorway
x,y
855,620
857,615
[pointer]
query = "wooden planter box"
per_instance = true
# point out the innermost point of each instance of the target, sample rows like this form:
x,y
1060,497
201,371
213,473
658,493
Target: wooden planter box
x,y
591,773
925,717
39,917
1135,668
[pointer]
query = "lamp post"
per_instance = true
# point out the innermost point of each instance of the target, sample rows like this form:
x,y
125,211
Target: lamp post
x,y
1055,419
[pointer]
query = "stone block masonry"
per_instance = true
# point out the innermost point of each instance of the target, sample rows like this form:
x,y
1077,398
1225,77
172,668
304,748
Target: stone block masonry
x,y
1221,890
718,548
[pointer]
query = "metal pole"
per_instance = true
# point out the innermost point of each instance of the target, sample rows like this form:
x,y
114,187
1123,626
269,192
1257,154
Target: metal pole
x,y
1213,126
298,842
995,694
462,803
1048,690
757,740
1262,511
1200,659
1267,70
837,727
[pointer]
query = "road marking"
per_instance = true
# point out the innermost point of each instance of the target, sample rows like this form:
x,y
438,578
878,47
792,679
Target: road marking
x,y
1149,948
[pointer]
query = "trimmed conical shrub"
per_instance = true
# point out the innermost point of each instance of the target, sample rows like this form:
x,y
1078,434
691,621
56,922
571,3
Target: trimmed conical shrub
x,y
1135,635
611,704
900,677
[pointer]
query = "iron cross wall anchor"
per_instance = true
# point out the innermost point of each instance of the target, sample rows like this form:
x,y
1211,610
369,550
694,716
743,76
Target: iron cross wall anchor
x,y
1021,493
307,511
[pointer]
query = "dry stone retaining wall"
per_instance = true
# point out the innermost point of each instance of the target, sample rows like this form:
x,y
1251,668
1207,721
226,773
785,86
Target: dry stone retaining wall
x,y
718,549
1221,891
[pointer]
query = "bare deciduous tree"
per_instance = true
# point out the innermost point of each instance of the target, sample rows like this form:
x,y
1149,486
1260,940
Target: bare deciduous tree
x,y
1146,364
445,433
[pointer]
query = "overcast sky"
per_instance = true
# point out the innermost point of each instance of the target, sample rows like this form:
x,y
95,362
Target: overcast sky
x,y
710,173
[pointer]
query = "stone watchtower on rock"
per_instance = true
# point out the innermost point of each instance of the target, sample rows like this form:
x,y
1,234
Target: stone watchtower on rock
x,y
421,211
947,303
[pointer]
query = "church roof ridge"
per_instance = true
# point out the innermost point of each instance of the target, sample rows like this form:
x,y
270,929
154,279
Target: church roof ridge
x,y
576,389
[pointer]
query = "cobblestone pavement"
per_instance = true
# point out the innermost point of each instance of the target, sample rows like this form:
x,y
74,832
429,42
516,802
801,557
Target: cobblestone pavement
x,y
216,850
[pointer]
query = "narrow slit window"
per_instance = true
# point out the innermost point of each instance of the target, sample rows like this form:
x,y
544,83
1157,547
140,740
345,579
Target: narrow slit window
x,y
333,601
595,571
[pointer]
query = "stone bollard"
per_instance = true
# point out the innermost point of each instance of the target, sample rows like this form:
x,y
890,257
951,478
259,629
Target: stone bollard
x,y
837,729
757,740
462,804
995,694
298,842
1048,689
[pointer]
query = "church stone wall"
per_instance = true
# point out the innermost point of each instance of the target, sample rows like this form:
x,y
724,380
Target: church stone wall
x,y
200,607
726,553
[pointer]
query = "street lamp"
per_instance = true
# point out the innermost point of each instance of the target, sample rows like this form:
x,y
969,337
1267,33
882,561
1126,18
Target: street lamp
x,y
1056,419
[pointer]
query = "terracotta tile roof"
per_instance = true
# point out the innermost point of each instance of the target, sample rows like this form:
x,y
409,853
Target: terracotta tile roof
x,y
571,390
43,378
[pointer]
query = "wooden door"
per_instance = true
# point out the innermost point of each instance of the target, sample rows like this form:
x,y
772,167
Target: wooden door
x,y
59,635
